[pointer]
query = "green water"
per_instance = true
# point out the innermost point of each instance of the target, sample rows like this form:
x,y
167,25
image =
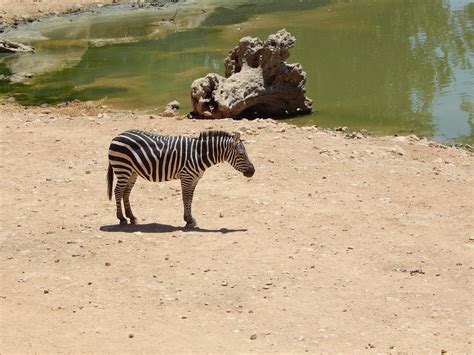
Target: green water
x,y
388,66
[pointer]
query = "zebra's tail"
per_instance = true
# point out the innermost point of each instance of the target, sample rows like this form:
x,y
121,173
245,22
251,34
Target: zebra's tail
x,y
110,181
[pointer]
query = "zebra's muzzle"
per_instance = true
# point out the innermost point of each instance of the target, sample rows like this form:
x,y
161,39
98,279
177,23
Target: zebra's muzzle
x,y
249,172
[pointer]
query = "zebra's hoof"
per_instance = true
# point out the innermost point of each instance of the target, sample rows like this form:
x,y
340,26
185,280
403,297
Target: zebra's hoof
x,y
123,222
133,221
191,225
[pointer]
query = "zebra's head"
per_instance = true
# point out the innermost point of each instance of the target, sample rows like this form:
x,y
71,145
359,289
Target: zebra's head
x,y
238,158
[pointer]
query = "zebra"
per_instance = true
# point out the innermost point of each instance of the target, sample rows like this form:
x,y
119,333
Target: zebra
x,y
158,158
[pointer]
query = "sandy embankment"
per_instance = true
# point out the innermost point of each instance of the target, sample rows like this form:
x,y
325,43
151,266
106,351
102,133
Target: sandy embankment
x,y
335,244
18,10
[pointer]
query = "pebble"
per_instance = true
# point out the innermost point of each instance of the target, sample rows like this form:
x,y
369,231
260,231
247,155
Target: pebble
x,y
253,337
131,335
416,271
107,264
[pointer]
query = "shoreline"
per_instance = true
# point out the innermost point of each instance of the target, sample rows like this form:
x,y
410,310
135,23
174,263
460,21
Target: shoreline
x,y
67,106
16,15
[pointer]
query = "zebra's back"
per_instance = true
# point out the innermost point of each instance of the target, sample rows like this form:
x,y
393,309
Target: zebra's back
x,y
151,156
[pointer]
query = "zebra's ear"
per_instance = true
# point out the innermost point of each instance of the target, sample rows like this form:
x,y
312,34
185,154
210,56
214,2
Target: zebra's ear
x,y
236,137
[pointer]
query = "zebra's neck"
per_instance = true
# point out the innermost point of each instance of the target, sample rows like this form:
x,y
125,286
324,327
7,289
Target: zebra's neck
x,y
213,150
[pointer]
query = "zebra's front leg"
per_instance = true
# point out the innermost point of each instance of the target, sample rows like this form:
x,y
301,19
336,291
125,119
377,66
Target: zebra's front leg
x,y
188,184
126,198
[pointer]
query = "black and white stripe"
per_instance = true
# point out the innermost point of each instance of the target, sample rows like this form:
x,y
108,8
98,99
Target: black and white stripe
x,y
163,158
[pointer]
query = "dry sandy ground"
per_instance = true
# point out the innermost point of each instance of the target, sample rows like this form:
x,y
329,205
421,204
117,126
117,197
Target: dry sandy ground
x,y
11,9
335,244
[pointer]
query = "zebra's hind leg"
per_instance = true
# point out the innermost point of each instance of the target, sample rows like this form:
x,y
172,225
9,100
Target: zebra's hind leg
x,y
118,192
126,198
123,177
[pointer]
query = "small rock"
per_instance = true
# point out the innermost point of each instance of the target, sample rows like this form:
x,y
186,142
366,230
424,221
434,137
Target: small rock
x,y
107,264
171,109
355,135
168,113
131,336
253,337
416,271
173,105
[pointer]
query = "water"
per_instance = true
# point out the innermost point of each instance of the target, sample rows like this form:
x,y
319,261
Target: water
x,y
388,66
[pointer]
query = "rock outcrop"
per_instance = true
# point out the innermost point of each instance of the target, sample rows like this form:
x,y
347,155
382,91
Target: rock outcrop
x,y
12,47
257,82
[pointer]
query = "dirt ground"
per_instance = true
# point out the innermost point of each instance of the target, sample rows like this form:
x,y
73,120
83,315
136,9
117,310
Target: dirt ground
x,y
336,244
24,9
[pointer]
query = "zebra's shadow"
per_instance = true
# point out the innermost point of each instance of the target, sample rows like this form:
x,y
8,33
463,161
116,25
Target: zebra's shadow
x,y
162,228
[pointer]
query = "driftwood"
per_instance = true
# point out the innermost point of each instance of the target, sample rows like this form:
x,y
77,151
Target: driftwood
x,y
13,47
257,82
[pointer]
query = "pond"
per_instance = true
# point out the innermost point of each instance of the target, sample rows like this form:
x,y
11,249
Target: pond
x,y
387,66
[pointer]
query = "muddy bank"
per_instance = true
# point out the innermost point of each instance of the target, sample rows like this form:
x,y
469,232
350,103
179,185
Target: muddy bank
x,y
16,14
338,243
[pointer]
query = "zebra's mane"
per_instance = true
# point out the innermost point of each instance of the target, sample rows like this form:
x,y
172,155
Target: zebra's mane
x,y
214,134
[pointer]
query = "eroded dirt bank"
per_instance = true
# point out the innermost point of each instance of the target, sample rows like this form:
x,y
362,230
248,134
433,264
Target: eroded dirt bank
x,y
18,11
335,244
